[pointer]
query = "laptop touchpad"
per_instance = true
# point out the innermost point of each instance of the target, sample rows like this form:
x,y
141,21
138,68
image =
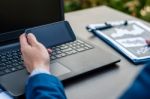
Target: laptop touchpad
x,y
58,69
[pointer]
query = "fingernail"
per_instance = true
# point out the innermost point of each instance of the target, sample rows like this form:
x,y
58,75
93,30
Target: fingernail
x,y
30,34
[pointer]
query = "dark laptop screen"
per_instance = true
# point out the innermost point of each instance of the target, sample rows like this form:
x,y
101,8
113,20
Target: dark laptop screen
x,y
21,14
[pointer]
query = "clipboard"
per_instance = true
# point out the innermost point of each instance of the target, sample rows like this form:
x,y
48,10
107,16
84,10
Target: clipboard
x,y
127,37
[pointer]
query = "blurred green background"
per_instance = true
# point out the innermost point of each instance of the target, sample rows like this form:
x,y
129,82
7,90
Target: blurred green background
x,y
137,8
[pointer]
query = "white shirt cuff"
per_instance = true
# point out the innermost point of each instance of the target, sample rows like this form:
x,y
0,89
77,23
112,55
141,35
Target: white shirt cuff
x,y
39,71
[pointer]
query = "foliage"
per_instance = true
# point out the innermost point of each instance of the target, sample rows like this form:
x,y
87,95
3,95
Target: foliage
x,y
137,8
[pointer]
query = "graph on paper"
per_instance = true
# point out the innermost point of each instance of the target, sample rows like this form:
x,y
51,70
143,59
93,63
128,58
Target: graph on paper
x,y
132,37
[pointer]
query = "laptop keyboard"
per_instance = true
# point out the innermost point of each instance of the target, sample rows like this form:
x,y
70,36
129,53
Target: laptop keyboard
x,y
11,61
69,49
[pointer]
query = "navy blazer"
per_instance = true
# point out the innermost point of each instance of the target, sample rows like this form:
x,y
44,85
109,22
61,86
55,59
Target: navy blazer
x,y
44,86
140,88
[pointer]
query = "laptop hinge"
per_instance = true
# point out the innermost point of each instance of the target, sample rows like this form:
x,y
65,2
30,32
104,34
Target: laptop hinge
x,y
9,36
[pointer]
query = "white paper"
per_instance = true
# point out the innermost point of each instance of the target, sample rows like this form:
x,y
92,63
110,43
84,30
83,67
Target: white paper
x,y
132,42
122,32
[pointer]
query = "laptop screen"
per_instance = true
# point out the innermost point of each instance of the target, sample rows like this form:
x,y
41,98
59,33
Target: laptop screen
x,y
22,14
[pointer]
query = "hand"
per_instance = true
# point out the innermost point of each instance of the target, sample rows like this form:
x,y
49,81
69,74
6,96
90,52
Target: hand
x,y
34,54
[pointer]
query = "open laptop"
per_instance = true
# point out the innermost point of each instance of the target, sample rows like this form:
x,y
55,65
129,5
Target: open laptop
x,y
68,60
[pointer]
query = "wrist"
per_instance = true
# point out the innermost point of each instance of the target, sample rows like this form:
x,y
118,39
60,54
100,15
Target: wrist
x,y
39,71
42,66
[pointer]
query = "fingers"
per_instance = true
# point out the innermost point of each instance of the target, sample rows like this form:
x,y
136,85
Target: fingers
x,y
148,42
32,39
49,50
23,41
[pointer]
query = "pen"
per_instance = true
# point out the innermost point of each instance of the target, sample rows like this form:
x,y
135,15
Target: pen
x,y
106,26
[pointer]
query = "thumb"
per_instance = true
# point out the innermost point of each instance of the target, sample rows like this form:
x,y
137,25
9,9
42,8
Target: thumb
x,y
32,39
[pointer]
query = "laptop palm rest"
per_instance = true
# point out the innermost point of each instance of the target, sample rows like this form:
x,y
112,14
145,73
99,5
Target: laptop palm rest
x,y
58,69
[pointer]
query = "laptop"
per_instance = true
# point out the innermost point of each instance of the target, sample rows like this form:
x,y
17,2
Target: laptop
x,y
67,60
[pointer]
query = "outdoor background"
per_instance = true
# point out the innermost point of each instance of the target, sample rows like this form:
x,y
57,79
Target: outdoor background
x,y
137,8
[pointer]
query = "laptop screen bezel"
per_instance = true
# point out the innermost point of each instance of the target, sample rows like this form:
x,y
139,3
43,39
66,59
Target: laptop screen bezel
x,y
14,35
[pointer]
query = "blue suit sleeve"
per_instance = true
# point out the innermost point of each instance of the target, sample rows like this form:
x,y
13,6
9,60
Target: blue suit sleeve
x,y
140,89
44,86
